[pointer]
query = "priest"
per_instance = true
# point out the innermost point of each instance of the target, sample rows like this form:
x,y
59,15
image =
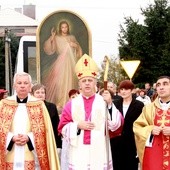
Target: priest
x,y
152,130
27,139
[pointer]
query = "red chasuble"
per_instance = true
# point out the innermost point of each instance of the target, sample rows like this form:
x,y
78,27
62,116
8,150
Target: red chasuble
x,y
157,157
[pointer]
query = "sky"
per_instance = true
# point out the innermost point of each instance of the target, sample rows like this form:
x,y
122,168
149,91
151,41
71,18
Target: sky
x,y
103,18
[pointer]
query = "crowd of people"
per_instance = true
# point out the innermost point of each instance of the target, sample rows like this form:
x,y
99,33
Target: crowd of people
x,y
121,127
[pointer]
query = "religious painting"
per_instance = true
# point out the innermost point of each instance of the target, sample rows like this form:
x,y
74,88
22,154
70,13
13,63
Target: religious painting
x,y
62,38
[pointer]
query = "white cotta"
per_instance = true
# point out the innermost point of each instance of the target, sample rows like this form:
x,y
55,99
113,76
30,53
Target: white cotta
x,y
20,120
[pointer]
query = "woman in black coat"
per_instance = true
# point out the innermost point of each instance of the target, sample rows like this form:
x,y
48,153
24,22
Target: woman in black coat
x,y
123,146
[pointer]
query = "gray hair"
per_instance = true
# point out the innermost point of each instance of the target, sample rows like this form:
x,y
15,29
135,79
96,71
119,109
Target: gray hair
x,y
21,74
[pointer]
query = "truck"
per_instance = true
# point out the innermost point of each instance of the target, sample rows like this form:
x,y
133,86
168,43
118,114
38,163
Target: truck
x,y
26,56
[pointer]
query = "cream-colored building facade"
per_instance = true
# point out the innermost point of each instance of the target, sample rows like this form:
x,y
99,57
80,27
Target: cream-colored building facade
x,y
18,22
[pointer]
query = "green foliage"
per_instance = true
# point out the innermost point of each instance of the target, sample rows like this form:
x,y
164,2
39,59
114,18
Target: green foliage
x,y
13,48
115,72
2,64
149,43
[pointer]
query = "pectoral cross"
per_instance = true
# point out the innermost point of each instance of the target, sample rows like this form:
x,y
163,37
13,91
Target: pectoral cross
x,y
163,121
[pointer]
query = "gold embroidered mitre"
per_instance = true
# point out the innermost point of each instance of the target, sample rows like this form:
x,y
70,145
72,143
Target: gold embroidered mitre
x,y
85,67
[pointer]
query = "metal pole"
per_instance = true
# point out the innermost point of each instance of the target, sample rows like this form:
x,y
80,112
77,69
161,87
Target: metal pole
x,y
10,68
106,60
107,136
6,60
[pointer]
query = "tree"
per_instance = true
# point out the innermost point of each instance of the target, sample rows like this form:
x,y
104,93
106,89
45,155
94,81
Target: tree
x,y
2,64
13,49
115,72
149,42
